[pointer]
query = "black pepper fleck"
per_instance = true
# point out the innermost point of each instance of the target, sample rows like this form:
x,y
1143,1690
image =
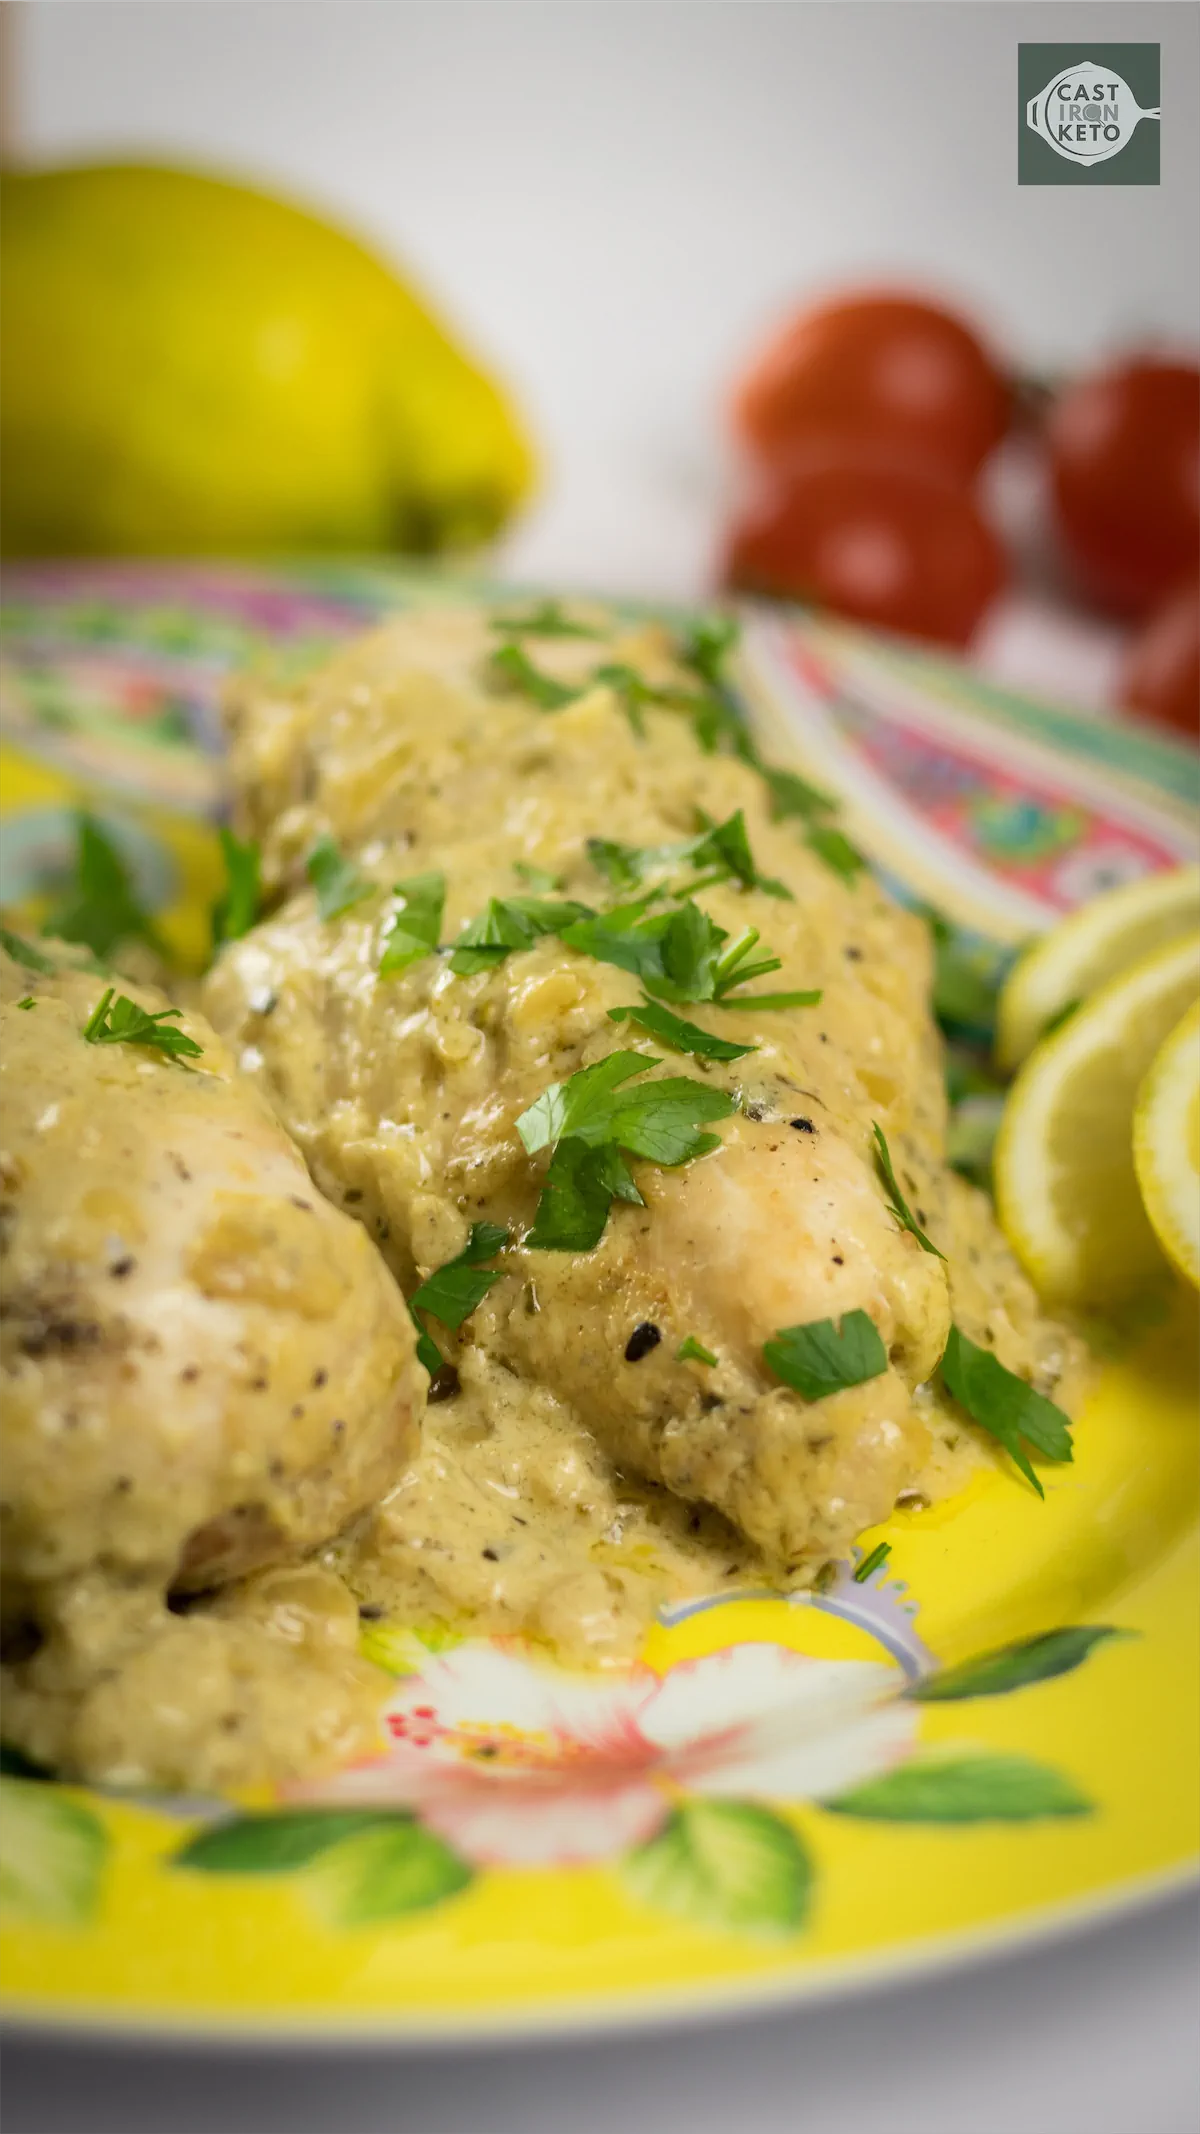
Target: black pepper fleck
x,y
643,1338
369,1612
444,1384
123,1266
492,1555
319,1378
803,1126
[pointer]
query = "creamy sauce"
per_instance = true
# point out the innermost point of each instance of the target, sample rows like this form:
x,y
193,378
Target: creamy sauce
x,y
575,1479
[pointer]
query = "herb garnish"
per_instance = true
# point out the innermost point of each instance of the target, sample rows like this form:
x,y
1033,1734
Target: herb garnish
x,y
592,1123
412,931
693,1351
236,909
682,1036
119,1021
452,1292
537,878
24,953
898,1206
545,620
835,848
678,955
706,644
514,666
336,879
820,1358
720,850
793,795
511,923
28,1002
879,1555
101,907
1006,1406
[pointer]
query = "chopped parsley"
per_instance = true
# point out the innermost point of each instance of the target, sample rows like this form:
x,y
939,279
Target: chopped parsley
x,y
965,982
28,1002
117,1020
793,795
693,1351
878,1556
236,909
452,1292
592,1123
679,955
537,878
511,923
1006,1406
512,665
416,922
337,881
820,1358
835,849
682,1036
547,619
706,644
24,953
810,999
720,851
898,1206
100,907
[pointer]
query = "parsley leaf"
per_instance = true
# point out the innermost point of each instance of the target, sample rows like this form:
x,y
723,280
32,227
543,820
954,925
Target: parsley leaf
x,y
898,1206
120,1021
811,999
793,795
723,847
879,1555
101,907
682,1036
1004,1405
24,953
511,923
836,850
236,909
678,956
820,1358
706,644
547,619
538,878
28,1002
452,1292
336,879
693,1351
412,932
593,1115
966,982
580,1186
513,665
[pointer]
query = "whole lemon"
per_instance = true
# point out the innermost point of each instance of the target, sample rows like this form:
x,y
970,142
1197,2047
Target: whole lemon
x,y
191,366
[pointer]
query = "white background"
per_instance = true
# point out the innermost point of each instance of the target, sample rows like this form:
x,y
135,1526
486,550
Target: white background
x,y
612,201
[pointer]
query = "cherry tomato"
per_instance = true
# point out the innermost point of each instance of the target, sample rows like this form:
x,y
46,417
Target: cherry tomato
x,y
876,367
1162,675
1125,479
880,541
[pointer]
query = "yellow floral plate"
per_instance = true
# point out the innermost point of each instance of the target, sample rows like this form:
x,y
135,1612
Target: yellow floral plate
x,y
992,1735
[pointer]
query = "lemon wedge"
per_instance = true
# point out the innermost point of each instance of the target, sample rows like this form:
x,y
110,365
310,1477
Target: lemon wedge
x,y
1066,1191
1094,945
1166,1145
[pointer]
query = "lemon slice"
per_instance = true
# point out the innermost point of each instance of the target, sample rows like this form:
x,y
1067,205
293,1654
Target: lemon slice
x,y
1066,1191
1166,1145
1095,944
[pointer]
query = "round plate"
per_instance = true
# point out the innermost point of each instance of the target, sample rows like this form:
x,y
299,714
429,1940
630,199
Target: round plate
x,y
991,1734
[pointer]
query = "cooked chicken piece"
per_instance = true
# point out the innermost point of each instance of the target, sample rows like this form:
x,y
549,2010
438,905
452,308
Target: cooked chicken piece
x,y
404,1089
206,1367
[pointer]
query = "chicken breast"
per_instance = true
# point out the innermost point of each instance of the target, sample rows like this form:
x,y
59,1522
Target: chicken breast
x,y
404,1088
206,1367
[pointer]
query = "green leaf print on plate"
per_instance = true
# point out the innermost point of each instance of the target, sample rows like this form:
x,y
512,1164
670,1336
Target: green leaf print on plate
x,y
1009,1667
966,1789
277,1844
725,1864
384,1873
52,1854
